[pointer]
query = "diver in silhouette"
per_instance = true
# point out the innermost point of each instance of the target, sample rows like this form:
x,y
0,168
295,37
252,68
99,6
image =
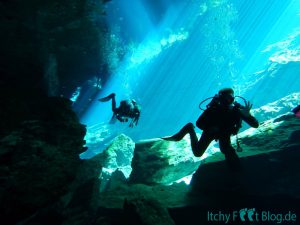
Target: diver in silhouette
x,y
127,109
219,121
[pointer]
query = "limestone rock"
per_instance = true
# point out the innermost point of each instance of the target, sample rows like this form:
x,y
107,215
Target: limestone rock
x,y
276,108
272,135
262,83
174,195
68,30
269,179
116,157
270,161
119,153
39,161
146,212
158,161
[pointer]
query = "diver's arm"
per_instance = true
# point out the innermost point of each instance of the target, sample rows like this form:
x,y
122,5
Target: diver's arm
x,y
137,117
251,120
134,121
247,117
137,114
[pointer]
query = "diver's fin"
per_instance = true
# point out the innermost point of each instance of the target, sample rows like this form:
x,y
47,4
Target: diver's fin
x,y
171,138
177,137
107,98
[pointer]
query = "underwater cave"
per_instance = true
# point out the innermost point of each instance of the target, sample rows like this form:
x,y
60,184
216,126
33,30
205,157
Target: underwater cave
x,y
93,91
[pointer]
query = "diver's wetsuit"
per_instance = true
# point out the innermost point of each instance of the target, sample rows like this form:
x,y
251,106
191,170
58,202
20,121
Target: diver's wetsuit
x,y
218,123
127,109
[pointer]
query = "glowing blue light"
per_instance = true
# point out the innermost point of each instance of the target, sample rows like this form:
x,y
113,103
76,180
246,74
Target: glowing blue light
x,y
152,49
175,59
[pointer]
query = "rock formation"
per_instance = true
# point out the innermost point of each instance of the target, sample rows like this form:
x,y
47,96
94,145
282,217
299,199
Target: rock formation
x,y
269,179
39,161
276,108
162,162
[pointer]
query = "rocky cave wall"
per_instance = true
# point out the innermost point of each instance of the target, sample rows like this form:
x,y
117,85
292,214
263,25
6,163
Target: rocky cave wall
x,y
48,48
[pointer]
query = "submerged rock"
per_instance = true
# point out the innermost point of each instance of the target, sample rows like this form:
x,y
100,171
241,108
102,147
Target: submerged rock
x,y
82,200
269,179
157,161
39,161
146,212
270,163
118,154
277,108
45,182
116,157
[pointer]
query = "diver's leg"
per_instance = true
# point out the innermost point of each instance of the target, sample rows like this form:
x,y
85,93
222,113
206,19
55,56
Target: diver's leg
x,y
113,104
188,128
231,157
107,98
113,101
200,146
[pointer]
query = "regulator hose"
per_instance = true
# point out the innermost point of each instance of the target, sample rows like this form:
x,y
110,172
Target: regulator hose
x,y
200,104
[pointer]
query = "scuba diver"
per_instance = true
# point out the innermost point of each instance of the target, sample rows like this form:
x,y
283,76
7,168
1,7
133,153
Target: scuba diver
x,y
127,109
221,119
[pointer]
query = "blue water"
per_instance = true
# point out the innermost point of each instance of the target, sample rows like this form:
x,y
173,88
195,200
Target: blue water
x,y
178,53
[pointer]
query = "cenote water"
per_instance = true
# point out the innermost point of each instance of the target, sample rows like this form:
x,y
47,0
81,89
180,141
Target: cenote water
x,y
177,53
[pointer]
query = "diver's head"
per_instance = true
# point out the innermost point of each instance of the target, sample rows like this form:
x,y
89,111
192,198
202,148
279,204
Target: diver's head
x,y
226,96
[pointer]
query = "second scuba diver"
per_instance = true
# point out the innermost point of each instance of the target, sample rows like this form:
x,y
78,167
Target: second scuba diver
x,y
219,121
127,109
